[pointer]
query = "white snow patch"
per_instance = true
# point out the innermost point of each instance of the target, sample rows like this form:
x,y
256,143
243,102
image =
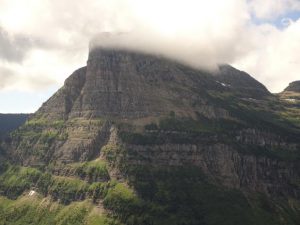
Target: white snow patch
x,y
31,193
223,84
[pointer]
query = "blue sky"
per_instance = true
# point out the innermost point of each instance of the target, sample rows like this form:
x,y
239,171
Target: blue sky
x,y
278,21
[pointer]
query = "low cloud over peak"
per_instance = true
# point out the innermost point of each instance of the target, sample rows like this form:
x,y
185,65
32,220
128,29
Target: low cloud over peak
x,y
42,42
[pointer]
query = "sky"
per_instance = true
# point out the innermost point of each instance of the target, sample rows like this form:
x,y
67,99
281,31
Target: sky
x,y
43,41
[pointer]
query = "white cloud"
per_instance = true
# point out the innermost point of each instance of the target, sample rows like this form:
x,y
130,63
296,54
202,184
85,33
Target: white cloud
x,y
271,9
200,32
275,59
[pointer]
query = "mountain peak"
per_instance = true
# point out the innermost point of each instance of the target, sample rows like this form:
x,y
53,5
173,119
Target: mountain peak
x,y
293,86
130,84
241,81
124,85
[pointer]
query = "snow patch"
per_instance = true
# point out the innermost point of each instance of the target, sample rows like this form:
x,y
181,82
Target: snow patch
x,y
31,193
223,84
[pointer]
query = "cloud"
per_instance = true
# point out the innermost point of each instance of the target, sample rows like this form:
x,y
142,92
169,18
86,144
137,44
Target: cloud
x,y
272,9
43,41
201,33
11,79
274,60
286,22
13,48
6,76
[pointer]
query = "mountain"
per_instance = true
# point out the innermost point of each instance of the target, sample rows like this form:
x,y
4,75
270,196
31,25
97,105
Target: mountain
x,y
294,86
241,82
140,139
10,122
290,99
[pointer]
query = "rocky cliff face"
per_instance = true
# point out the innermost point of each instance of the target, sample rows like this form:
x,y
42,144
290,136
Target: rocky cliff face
x,y
131,85
225,164
139,111
115,84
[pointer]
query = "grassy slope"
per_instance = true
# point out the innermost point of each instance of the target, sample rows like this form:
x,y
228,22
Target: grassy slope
x,y
66,202
178,195
38,210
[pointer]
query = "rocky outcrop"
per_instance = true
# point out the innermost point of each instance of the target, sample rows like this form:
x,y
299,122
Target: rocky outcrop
x,y
294,86
62,102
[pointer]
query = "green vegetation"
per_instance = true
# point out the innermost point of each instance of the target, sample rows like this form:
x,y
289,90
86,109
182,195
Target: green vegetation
x,y
266,114
43,122
15,180
85,122
98,190
36,210
48,136
183,195
292,114
37,136
179,195
113,154
162,196
67,189
124,202
74,214
92,170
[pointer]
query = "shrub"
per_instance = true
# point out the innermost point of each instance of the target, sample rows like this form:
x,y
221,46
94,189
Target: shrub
x,y
122,200
68,189
93,170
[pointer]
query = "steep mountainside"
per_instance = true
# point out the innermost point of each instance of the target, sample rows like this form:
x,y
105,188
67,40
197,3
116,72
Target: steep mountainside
x,y
141,139
241,82
290,99
294,86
